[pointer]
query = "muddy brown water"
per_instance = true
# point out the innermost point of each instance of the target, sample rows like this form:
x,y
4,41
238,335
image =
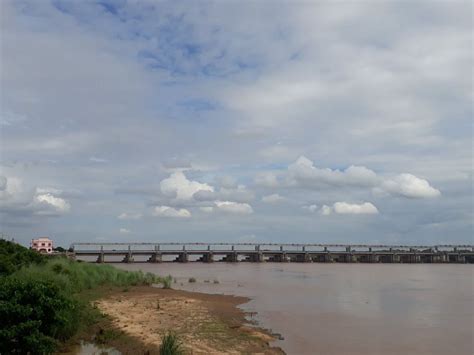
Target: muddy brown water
x,y
346,308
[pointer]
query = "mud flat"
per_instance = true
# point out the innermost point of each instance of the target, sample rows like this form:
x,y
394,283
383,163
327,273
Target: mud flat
x,y
205,323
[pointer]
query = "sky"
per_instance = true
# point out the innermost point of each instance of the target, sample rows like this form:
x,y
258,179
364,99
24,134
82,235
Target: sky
x,y
237,121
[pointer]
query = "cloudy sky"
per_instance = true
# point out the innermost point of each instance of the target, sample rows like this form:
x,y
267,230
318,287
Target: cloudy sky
x,y
318,121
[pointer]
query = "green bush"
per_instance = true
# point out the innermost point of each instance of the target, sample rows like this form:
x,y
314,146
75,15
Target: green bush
x,y
171,345
35,314
14,256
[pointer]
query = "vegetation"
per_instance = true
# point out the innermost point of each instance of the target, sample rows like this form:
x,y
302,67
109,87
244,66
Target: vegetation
x,y
35,315
166,281
14,256
40,297
171,345
192,280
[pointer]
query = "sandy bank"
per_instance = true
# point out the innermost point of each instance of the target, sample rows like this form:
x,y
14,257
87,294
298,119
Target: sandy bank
x,y
206,324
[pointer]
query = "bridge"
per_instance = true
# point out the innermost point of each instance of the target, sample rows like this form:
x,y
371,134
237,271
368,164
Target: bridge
x,y
271,252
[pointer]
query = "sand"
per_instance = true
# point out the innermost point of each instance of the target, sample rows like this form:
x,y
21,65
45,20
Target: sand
x,y
206,324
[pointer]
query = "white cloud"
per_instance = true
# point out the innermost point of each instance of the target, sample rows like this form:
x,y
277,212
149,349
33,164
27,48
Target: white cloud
x,y
349,208
238,194
48,190
234,207
207,209
167,211
274,198
311,208
409,185
303,172
326,210
127,215
266,179
228,182
59,204
124,231
177,185
13,189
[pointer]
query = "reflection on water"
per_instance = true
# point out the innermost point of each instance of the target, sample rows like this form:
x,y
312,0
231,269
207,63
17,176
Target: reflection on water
x,y
346,308
86,348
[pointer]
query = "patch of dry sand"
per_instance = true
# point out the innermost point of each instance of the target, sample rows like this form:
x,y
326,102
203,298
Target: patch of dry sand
x,y
206,324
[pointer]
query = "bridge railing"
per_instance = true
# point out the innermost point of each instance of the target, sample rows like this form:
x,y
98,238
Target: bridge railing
x,y
261,246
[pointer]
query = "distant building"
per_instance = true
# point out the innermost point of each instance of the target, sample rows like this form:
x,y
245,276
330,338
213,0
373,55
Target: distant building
x,y
43,245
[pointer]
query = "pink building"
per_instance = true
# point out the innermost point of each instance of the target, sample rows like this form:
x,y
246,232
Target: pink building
x,y
43,245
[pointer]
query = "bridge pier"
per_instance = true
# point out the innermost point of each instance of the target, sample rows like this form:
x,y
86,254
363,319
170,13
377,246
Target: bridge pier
x,y
208,257
373,258
155,258
128,258
101,258
231,258
183,257
328,258
348,256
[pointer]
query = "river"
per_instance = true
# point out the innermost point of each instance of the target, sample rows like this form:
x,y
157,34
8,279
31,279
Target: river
x,y
346,308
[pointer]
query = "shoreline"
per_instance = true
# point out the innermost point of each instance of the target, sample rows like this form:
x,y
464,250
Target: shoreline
x,y
138,317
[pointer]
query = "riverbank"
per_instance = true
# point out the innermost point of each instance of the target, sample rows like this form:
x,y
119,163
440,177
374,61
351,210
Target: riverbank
x,y
137,318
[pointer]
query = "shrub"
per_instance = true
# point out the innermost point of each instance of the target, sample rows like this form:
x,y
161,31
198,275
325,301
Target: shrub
x,y
35,314
171,345
14,256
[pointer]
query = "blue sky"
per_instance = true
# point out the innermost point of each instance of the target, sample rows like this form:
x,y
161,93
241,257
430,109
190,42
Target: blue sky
x,y
276,121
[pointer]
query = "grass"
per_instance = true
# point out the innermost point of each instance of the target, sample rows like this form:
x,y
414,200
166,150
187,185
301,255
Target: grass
x,y
166,281
222,336
75,277
171,345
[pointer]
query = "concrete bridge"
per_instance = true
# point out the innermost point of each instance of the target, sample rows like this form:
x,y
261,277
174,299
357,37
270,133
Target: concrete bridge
x,y
272,252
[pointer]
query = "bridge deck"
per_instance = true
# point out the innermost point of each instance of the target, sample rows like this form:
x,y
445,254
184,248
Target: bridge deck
x,y
279,252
